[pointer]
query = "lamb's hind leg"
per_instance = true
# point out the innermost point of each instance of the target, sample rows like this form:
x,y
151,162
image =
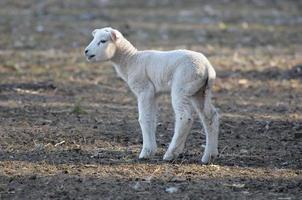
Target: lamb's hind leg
x,y
183,124
210,119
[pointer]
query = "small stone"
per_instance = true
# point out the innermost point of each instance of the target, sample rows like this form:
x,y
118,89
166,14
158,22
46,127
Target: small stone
x,y
244,151
39,28
171,190
136,186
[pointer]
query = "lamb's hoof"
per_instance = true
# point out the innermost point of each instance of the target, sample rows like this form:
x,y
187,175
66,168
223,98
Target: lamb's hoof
x,y
169,156
209,157
147,153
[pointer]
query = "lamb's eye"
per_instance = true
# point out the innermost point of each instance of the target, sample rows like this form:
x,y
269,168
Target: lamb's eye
x,y
102,41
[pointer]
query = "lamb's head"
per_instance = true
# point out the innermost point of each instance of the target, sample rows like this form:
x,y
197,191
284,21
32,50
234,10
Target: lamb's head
x,y
103,45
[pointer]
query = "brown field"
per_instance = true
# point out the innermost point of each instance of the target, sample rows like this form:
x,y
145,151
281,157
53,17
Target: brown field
x,y
69,130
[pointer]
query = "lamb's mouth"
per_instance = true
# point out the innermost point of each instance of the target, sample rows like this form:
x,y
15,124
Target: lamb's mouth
x,y
90,57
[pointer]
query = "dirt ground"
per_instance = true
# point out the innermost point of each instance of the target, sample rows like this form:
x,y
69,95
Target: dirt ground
x,y
69,130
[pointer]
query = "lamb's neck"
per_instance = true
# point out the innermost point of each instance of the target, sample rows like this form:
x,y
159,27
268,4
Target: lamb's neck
x,y
125,55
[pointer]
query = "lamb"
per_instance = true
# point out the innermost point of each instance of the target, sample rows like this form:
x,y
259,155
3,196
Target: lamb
x,y
188,75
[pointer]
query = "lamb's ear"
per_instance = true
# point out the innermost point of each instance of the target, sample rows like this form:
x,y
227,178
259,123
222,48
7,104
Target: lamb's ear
x,y
94,32
115,35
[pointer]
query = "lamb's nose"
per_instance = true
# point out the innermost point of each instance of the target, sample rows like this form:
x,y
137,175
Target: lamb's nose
x,y
86,51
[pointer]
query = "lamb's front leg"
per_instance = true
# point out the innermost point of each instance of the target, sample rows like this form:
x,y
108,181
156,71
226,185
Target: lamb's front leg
x,y
147,119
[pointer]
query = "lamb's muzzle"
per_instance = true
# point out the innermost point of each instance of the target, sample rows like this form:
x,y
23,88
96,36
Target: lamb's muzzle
x,y
188,75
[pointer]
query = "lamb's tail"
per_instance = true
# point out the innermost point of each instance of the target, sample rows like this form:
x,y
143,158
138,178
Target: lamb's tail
x,y
208,87
211,78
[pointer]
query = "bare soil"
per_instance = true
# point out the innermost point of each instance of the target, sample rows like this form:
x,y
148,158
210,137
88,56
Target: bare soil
x,y
69,130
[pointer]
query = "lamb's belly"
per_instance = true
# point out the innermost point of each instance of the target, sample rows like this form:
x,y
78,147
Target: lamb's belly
x,y
163,87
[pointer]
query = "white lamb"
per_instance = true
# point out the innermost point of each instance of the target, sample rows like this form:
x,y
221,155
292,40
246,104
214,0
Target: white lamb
x,y
187,74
